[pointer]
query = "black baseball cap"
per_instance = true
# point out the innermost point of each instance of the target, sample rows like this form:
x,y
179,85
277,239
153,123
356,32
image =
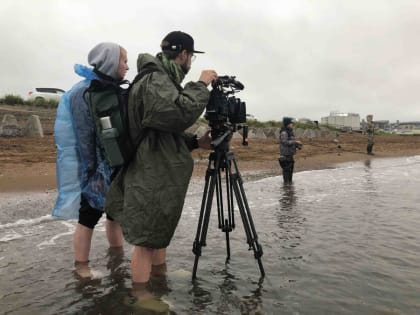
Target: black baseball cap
x,y
178,41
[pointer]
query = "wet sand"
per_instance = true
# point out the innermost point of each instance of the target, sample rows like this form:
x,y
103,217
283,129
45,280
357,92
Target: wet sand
x,y
28,164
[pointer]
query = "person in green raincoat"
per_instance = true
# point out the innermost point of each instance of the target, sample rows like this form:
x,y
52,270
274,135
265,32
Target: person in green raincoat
x,y
148,196
370,131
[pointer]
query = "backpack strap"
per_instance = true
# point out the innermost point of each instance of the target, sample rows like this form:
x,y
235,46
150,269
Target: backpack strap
x,y
140,75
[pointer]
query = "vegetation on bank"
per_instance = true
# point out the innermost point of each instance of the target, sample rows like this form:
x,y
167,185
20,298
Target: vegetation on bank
x,y
16,100
10,99
254,123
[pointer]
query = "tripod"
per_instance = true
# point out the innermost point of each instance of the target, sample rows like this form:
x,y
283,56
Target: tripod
x,y
222,159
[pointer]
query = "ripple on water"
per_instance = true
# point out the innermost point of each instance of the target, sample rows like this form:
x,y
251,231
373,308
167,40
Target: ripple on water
x,y
338,241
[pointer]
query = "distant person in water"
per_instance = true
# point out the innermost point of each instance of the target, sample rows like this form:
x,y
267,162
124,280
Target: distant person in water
x,y
370,131
288,145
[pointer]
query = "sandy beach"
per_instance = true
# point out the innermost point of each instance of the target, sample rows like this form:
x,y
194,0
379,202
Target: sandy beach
x,y
28,164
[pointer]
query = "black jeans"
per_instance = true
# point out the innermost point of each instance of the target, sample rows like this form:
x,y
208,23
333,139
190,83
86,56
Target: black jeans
x,y
287,163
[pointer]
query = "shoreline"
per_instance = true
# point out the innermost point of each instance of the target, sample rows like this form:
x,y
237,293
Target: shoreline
x,y
28,163
15,178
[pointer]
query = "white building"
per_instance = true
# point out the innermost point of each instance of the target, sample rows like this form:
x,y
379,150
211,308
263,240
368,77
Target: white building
x,y
341,120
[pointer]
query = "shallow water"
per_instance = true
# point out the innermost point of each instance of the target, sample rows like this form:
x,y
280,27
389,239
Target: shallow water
x,y
338,241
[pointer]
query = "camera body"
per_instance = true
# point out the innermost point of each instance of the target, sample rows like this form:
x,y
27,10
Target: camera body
x,y
223,106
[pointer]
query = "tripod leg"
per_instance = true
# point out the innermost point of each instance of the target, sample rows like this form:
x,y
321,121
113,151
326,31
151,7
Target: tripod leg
x,y
203,221
251,234
229,223
227,243
229,190
219,199
224,224
223,160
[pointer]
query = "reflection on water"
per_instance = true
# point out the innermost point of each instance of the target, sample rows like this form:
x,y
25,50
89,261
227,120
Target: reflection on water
x,y
290,222
225,300
287,197
107,295
338,241
201,297
368,183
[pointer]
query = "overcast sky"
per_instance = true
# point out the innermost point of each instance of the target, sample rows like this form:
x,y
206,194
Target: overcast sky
x,y
296,58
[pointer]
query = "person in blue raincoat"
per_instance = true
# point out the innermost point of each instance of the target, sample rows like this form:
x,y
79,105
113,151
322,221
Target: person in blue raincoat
x,y
83,174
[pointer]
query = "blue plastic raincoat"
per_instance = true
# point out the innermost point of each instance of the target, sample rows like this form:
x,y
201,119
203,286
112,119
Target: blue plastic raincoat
x,y
81,168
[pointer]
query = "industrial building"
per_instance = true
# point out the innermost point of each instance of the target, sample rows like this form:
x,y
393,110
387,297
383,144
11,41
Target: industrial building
x,y
350,121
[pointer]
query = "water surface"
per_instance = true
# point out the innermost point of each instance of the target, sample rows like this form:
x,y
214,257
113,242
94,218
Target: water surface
x,y
338,241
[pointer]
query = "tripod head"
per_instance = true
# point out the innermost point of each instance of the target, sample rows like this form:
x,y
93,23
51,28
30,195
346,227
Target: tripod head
x,y
222,134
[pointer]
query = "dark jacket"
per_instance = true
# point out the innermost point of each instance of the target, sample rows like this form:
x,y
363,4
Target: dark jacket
x,y
287,142
147,199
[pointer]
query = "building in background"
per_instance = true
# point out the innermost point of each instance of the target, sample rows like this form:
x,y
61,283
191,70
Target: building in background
x,y
382,125
348,121
408,127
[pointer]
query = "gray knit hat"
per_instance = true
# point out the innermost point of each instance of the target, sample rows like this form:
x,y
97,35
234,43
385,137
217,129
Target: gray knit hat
x,y
105,58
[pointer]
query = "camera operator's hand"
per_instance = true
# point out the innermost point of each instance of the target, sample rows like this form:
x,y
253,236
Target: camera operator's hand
x,y
299,142
205,141
208,76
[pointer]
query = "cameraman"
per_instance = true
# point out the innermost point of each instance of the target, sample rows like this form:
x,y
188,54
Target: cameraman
x,y
156,180
288,145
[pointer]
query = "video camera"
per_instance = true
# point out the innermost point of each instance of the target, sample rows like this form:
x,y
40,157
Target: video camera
x,y
225,111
